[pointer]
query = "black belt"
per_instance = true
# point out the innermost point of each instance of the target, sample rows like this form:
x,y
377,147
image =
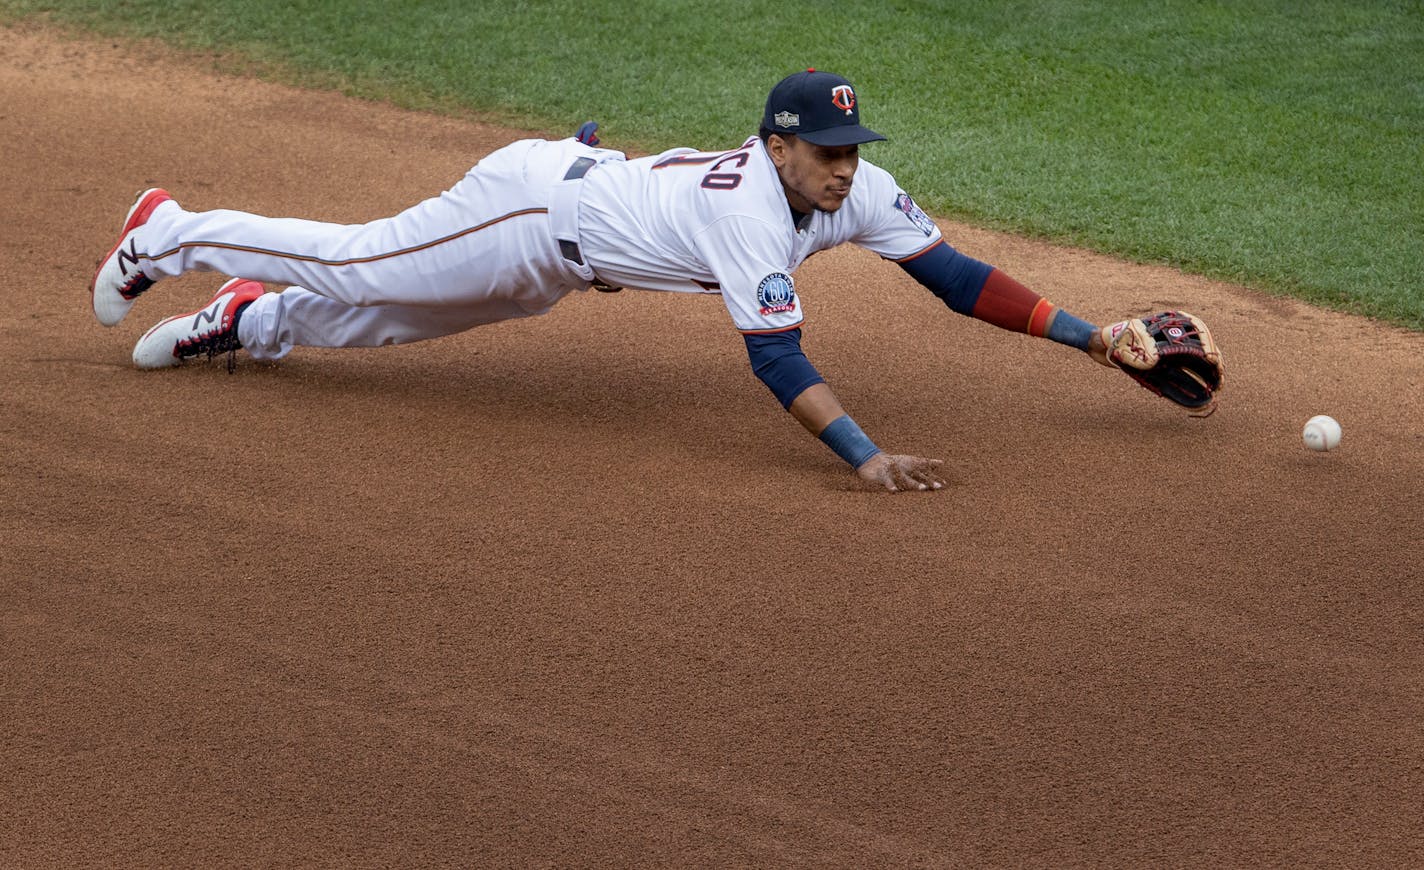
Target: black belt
x,y
580,168
569,249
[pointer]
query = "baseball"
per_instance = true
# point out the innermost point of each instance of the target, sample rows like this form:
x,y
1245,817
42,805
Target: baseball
x,y
1321,433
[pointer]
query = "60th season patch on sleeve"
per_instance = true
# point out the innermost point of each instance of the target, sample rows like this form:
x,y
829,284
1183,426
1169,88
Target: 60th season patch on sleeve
x,y
776,294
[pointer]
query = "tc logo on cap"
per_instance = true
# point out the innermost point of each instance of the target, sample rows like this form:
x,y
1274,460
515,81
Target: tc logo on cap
x,y
842,97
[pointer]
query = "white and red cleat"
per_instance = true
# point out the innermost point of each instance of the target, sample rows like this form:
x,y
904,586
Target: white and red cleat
x,y
118,281
209,331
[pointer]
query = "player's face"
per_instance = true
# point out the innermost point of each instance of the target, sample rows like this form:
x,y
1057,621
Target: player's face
x,y
815,176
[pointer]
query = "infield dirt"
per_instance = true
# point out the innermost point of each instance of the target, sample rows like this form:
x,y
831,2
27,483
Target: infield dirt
x,y
574,590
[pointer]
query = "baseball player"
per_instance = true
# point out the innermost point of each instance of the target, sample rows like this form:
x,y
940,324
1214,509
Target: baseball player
x,y
538,219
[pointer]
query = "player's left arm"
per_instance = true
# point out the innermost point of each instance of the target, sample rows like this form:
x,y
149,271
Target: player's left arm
x,y
889,223
981,291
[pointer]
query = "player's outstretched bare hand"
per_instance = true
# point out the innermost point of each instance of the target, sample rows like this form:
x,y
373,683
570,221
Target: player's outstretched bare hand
x,y
898,473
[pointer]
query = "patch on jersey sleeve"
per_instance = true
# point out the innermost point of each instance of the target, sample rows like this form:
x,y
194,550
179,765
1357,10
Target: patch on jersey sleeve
x,y
776,294
913,212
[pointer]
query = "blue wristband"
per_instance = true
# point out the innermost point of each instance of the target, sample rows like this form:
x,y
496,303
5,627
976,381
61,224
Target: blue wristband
x,y
848,441
1069,330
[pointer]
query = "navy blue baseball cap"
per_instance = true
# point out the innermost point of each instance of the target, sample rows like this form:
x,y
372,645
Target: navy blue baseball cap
x,y
820,107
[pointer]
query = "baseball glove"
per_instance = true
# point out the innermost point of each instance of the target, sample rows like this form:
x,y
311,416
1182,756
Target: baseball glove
x,y
1172,354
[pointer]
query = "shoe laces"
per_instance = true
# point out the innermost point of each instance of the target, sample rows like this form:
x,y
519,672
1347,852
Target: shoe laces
x,y
219,340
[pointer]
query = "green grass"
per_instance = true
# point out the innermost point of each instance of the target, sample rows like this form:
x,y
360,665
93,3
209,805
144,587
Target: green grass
x,y
1276,143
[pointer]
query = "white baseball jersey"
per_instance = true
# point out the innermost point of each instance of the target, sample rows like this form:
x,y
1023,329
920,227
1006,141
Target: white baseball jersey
x,y
495,246
689,221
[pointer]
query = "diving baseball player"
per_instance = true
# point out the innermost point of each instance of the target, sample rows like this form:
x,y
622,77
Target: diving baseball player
x,y
538,219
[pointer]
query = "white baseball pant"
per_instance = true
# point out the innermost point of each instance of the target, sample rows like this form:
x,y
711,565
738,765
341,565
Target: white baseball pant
x,y
480,252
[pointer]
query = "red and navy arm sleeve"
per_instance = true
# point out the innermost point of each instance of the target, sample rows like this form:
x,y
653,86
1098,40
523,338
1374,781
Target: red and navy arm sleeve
x,y
979,290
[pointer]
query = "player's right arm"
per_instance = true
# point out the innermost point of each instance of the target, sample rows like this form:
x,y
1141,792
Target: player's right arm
x,y
745,239
777,359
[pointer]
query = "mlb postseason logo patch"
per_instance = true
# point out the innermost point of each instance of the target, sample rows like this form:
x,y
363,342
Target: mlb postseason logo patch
x,y
917,217
775,294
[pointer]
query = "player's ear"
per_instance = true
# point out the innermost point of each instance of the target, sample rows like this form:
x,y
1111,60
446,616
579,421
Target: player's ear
x,y
779,147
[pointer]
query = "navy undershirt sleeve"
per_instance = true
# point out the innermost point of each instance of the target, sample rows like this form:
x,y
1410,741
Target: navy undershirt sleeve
x,y
954,277
777,359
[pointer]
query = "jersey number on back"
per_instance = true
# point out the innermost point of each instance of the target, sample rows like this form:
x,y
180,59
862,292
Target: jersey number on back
x,y
714,180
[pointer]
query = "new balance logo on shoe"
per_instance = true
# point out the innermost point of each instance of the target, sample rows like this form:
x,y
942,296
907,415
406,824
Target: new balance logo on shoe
x,y
134,284
129,257
208,314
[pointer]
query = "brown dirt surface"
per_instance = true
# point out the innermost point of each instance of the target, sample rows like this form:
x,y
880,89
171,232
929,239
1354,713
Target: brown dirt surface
x,y
574,591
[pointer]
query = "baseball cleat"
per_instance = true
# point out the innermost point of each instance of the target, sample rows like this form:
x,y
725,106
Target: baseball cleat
x,y
118,281
209,331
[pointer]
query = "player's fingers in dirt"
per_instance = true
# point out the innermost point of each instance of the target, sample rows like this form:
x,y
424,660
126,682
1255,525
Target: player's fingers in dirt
x,y
902,473
921,473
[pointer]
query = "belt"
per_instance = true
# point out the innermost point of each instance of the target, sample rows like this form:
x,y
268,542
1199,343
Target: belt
x,y
569,248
